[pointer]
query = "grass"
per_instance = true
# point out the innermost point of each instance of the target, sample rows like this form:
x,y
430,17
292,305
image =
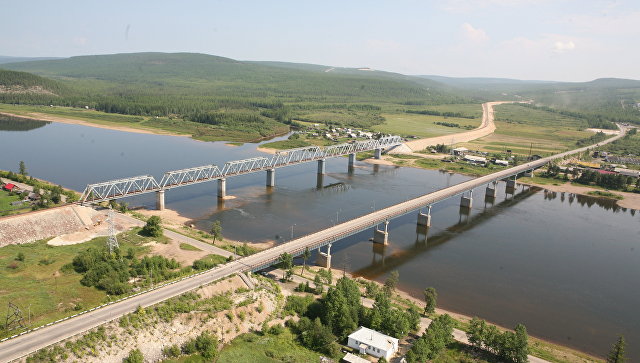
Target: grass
x,y
543,180
460,167
199,131
214,259
188,247
423,125
599,193
41,285
5,203
525,130
253,347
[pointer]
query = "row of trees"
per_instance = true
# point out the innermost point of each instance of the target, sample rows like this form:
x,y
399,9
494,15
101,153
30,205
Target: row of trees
x,y
434,340
511,346
609,181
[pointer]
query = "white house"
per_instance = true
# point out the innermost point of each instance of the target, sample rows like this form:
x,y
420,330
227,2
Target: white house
x,y
475,159
374,343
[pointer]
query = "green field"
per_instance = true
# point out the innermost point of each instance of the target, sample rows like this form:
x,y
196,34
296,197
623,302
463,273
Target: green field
x,y
422,125
6,200
40,285
526,130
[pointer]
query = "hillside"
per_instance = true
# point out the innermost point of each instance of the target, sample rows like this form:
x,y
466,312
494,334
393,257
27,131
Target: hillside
x,y
18,87
257,98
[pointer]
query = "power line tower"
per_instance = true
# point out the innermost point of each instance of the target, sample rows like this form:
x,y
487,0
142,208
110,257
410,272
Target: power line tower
x,y
112,242
14,319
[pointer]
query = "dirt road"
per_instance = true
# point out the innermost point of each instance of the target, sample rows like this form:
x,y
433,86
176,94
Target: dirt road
x,y
487,127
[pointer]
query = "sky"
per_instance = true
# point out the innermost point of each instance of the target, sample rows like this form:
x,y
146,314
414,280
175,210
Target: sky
x,y
562,40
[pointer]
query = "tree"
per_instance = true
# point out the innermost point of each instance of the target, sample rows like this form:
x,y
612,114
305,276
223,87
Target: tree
x,y
430,299
520,345
20,257
216,231
135,356
153,227
23,168
207,346
392,281
616,354
286,262
305,255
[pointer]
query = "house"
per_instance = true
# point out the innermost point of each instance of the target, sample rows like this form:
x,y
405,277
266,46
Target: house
x,y
460,151
10,187
475,159
374,343
33,196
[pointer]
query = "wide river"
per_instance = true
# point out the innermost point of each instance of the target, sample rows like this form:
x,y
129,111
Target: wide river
x,y
566,266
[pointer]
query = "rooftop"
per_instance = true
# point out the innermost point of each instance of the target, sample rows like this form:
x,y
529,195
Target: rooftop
x,y
374,338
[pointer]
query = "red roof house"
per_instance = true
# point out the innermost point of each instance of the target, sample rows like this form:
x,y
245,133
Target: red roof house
x,y
9,187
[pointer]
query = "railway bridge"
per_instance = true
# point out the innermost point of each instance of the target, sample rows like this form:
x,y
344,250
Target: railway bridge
x,y
121,188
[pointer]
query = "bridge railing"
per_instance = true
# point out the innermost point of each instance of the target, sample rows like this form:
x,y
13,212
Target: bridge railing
x,y
145,184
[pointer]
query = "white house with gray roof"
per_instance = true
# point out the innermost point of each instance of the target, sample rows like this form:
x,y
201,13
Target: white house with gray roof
x,y
374,343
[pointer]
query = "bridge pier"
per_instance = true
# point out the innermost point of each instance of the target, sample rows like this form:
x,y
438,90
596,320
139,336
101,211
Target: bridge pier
x,y
491,190
425,219
381,236
222,188
320,181
352,161
160,200
528,173
271,177
324,259
378,154
321,166
467,202
511,185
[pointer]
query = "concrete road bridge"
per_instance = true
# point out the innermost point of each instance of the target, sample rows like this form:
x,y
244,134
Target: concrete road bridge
x,y
120,188
25,343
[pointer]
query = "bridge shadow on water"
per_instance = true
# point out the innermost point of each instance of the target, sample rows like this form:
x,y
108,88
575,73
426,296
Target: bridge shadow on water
x,y
382,263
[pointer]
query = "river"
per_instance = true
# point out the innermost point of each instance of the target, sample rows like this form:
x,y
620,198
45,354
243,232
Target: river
x,y
566,266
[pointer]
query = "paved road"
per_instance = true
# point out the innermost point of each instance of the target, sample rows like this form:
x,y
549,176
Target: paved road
x,y
20,346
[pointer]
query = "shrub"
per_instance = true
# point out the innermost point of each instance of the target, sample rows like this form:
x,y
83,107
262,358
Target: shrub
x,y
20,257
153,228
171,351
135,356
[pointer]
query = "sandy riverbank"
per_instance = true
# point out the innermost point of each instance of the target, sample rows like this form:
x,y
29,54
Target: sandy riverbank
x,y
631,200
37,116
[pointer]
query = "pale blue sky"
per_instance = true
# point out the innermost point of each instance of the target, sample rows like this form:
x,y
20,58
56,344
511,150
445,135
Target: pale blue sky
x,y
569,40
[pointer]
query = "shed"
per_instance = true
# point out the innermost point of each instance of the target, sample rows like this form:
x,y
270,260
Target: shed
x,y
352,358
460,150
475,159
627,172
502,162
374,343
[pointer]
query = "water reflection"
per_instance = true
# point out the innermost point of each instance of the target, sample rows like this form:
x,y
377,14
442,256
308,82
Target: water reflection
x,y
8,123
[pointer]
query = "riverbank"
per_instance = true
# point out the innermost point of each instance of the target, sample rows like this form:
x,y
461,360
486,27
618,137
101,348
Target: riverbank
x,y
36,116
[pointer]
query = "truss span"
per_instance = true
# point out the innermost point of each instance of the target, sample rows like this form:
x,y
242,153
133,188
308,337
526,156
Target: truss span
x,y
120,188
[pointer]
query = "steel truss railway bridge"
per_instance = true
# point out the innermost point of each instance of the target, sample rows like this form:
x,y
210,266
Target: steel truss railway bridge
x,y
120,188
23,344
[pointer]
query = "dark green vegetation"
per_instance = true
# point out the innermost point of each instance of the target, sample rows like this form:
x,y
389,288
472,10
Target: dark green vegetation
x,y
628,145
153,227
616,355
230,99
434,340
605,99
507,345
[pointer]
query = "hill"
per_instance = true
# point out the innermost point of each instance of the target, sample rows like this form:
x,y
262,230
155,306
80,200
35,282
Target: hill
x,y
257,98
18,87
7,59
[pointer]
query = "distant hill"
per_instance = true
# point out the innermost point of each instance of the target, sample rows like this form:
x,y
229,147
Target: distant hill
x,y
7,59
481,81
20,87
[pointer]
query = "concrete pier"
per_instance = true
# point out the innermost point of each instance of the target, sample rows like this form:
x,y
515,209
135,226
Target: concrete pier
x,y
467,202
352,160
222,188
321,166
160,200
491,191
381,236
511,186
271,177
424,219
320,181
324,259
378,154
528,173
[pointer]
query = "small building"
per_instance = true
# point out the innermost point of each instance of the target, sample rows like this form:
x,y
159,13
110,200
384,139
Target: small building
x,y
627,172
10,187
460,151
501,162
352,358
475,159
33,196
374,343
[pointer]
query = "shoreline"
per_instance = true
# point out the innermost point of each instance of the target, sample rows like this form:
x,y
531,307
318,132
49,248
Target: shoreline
x,y
631,200
36,116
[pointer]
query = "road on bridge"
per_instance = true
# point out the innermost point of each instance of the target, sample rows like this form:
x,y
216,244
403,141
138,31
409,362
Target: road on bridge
x,y
27,343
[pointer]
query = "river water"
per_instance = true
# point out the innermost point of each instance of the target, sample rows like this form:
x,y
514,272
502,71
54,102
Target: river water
x,y
566,266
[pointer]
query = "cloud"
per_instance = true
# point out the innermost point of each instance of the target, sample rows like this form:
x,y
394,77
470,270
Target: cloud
x,y
473,34
561,47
